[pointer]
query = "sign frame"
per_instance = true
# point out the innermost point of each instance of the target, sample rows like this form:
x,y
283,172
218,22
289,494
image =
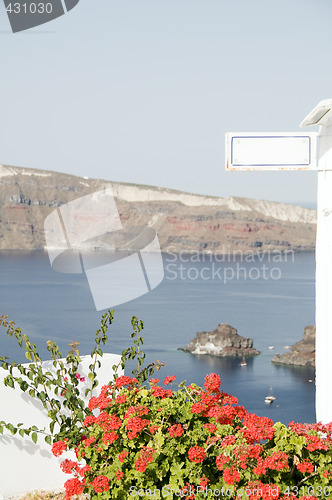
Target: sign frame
x,y
298,150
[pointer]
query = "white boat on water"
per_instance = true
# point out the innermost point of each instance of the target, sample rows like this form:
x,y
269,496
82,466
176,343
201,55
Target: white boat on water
x,y
270,398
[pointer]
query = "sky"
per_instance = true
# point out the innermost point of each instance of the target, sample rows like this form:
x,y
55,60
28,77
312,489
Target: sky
x,y
143,91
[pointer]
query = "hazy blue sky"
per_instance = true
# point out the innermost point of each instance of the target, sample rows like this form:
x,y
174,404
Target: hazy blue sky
x,y
143,91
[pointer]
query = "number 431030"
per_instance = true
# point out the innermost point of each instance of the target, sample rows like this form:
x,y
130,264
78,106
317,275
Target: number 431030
x,y
316,491
32,8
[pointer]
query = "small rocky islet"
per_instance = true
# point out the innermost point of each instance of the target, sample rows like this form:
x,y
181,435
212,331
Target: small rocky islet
x,y
302,353
224,341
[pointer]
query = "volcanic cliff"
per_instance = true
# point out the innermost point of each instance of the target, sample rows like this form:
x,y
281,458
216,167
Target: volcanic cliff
x,y
183,221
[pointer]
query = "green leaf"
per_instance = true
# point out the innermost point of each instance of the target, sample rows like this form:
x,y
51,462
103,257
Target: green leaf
x,y
9,382
159,439
34,437
42,396
48,440
11,428
24,386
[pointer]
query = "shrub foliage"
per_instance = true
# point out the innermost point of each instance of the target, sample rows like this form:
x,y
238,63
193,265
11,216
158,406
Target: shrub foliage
x,y
136,437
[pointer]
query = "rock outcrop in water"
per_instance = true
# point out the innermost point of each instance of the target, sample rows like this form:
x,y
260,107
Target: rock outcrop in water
x,y
224,341
184,222
302,353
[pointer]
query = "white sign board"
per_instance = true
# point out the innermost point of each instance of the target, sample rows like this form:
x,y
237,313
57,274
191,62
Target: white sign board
x,y
271,151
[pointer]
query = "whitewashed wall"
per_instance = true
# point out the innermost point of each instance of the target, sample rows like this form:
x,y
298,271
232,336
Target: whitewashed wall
x,y
25,466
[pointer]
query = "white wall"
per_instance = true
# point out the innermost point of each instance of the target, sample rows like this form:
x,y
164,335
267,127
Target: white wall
x,y
25,466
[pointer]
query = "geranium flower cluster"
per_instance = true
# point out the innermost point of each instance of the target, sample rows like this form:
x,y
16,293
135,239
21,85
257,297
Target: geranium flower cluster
x,y
144,458
192,440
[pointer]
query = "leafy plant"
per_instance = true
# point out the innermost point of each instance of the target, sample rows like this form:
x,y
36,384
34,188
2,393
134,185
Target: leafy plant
x,y
194,442
58,388
137,438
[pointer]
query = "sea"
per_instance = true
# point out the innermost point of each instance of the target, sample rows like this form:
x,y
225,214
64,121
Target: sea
x,y
269,299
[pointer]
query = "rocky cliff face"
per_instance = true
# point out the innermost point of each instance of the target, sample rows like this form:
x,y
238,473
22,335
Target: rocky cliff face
x,y
302,353
183,221
223,341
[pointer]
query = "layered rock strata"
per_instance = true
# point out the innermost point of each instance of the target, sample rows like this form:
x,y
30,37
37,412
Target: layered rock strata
x,y
184,222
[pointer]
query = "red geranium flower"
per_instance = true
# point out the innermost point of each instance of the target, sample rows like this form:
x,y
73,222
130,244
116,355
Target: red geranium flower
x,y
212,382
231,475
59,447
122,456
121,381
306,466
169,379
100,484
119,475
154,381
196,454
73,487
110,437
175,430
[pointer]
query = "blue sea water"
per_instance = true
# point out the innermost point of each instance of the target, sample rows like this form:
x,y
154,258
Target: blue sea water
x,y
270,300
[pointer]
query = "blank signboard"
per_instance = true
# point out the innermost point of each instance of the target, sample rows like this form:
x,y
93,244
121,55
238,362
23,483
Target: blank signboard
x,y
271,151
